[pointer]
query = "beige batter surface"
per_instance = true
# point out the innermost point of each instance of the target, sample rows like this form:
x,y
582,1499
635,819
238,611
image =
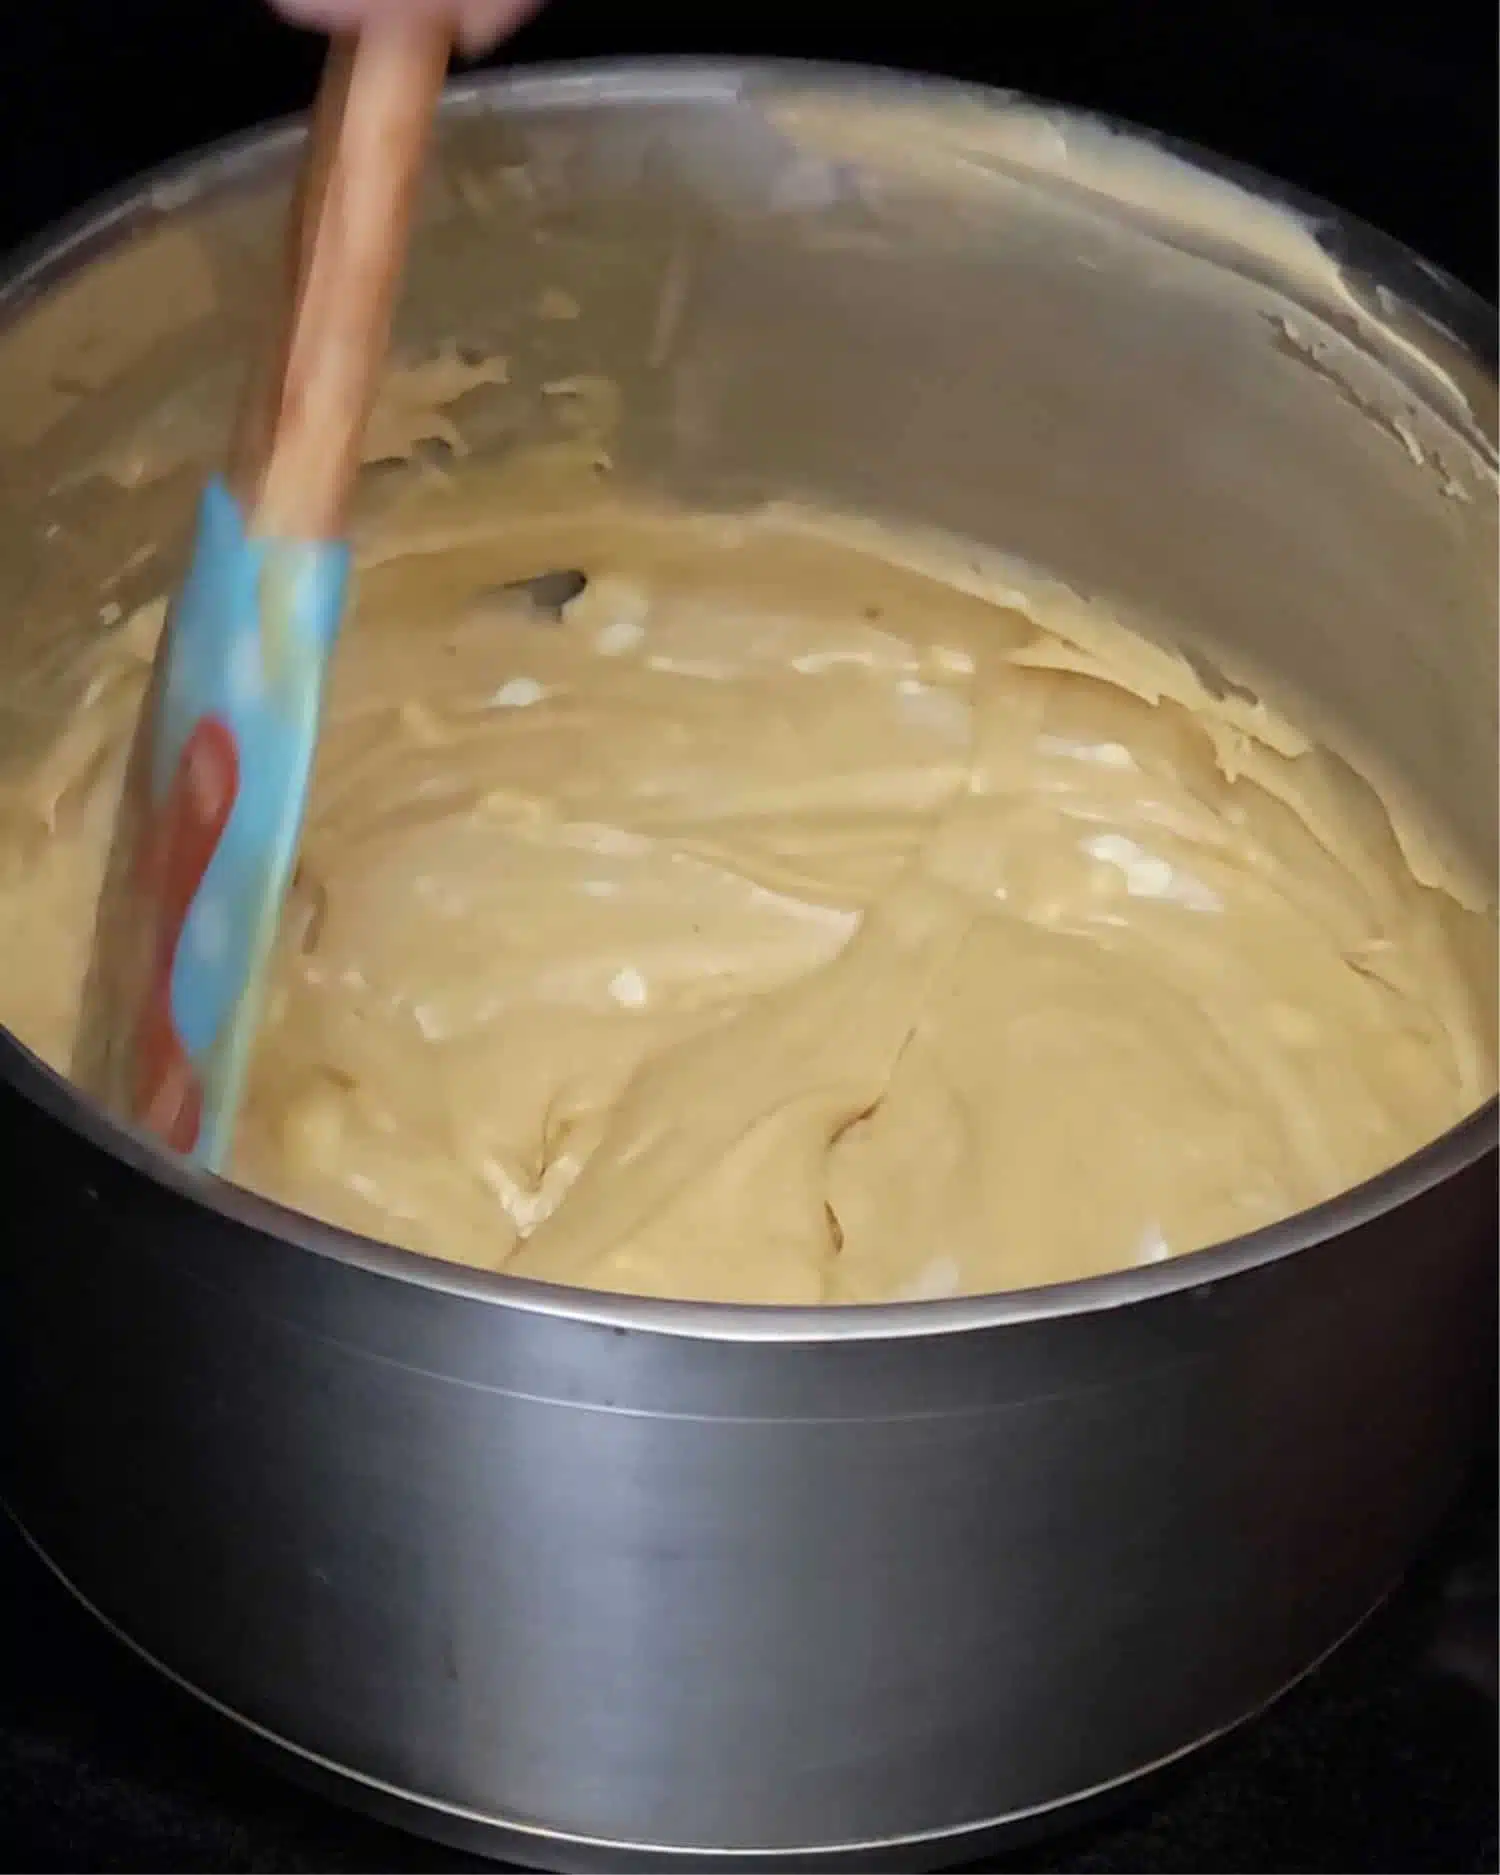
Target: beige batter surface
x,y
803,916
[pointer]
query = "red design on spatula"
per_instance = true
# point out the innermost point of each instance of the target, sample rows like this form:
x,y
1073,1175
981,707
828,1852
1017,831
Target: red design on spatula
x,y
173,855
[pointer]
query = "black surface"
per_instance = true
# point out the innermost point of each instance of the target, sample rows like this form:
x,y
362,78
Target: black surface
x,y
1383,1760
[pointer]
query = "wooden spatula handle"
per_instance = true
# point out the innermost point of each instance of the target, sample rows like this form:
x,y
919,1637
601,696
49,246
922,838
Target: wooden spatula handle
x,y
302,420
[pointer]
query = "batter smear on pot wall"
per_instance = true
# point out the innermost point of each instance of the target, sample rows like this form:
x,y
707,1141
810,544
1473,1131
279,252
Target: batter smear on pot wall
x,y
800,912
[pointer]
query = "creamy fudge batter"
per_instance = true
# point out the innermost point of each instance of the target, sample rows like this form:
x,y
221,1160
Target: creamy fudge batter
x,y
802,914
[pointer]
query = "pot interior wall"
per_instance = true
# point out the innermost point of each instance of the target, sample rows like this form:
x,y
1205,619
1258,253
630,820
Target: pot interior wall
x,y
1116,369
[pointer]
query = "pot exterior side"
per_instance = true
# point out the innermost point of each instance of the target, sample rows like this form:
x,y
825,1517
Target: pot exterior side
x,y
760,1596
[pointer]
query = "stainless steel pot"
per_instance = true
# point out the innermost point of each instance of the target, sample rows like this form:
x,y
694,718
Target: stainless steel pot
x,y
582,1578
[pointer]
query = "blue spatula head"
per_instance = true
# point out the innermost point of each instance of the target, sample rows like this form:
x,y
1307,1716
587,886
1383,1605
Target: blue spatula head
x,y
208,831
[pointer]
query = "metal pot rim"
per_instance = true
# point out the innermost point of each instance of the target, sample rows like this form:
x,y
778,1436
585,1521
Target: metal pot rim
x,y
1407,281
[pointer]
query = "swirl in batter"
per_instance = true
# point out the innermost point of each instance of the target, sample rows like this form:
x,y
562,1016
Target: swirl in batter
x,y
799,915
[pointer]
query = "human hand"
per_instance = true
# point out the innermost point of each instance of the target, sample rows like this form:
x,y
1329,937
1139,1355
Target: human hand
x,y
477,24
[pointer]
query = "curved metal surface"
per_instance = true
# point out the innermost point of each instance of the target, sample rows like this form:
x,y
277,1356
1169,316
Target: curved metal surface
x,y
768,1582
540,1848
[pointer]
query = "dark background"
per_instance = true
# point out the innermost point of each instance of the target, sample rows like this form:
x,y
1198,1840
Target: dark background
x,y
1385,1760
1387,110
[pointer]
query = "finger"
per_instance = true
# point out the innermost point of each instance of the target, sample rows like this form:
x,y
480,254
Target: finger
x,y
477,24
484,23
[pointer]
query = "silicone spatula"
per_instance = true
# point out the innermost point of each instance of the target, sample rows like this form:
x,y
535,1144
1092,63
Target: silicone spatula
x,y
214,795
